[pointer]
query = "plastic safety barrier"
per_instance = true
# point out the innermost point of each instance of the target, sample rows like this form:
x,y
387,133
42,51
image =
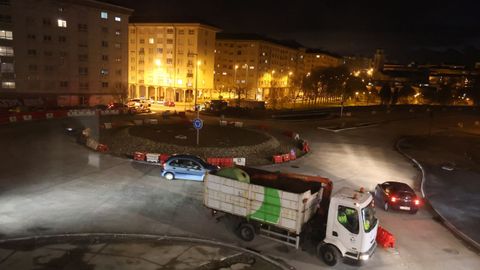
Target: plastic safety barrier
x,y
385,238
139,156
102,148
163,158
239,161
152,157
222,162
305,147
277,159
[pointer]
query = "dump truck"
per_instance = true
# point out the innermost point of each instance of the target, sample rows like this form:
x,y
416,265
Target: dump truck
x,y
296,210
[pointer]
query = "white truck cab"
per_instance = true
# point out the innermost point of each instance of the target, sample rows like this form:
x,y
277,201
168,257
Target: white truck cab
x,y
351,227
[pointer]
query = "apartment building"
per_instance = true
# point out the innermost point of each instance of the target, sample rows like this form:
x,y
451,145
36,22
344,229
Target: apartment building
x,y
315,58
255,67
68,52
168,61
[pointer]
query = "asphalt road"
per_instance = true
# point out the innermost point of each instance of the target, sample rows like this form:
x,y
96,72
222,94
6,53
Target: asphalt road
x,y
49,185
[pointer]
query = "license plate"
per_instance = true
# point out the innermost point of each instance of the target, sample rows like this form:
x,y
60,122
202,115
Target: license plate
x,y
404,208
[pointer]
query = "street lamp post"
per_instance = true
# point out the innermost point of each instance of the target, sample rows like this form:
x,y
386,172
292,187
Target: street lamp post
x,y
246,80
196,94
235,78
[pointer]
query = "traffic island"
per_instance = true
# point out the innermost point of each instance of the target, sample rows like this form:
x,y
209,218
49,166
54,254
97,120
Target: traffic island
x,y
179,137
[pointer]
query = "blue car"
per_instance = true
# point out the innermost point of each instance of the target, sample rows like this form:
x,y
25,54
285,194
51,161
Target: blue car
x,y
186,167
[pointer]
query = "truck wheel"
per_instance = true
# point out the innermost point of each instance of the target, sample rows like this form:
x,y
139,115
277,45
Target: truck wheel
x,y
169,176
246,232
330,254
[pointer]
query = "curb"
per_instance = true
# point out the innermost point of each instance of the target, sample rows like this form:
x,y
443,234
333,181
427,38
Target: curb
x,y
444,220
153,237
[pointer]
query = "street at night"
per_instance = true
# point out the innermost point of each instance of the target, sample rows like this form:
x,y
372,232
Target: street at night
x,y
216,135
97,193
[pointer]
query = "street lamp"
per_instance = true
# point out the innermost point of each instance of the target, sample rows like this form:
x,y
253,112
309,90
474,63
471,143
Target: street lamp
x,y
196,85
235,78
246,79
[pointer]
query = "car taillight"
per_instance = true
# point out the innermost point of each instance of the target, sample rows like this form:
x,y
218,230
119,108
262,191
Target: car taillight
x,y
393,199
417,201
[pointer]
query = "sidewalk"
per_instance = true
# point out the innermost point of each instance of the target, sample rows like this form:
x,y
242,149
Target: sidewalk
x,y
109,251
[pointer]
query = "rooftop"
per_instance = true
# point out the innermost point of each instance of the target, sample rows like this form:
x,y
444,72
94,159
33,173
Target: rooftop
x,y
248,36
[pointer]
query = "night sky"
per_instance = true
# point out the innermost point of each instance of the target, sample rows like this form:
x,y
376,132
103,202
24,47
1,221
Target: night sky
x,y
345,27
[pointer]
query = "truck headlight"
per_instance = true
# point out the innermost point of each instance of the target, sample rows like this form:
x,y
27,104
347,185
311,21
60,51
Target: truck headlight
x,y
364,257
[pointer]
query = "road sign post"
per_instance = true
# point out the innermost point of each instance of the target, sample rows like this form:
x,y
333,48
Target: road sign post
x,y
198,124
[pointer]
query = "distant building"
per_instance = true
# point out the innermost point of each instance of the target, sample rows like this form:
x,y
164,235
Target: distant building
x,y
378,61
451,75
261,68
358,62
69,52
315,58
168,60
254,64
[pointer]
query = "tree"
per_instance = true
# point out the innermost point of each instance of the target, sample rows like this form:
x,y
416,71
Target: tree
x,y
405,92
444,95
474,91
385,94
336,81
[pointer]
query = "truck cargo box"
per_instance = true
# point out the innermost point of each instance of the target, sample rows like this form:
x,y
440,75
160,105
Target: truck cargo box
x,y
286,201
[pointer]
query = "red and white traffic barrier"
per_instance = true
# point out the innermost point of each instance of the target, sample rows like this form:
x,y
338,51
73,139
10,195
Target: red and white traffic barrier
x,y
150,157
227,161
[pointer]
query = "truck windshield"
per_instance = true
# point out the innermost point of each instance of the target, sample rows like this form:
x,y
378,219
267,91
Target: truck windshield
x,y
369,218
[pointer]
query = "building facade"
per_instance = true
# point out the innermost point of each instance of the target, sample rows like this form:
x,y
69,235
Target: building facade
x,y
321,59
65,53
254,67
167,61
259,68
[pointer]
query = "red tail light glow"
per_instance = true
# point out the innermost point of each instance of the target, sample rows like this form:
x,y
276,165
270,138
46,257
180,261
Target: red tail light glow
x,y
417,202
393,199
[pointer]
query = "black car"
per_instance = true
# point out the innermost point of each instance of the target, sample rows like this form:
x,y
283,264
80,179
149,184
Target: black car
x,y
397,195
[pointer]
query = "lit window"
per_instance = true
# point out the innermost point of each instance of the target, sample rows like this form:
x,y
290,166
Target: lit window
x,y
117,33
9,85
104,71
104,84
6,51
62,23
6,35
118,19
151,40
104,15
318,56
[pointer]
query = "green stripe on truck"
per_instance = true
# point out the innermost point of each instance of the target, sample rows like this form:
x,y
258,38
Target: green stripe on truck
x,y
269,211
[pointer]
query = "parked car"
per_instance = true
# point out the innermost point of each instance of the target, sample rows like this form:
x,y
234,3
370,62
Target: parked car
x,y
139,106
169,103
397,195
186,167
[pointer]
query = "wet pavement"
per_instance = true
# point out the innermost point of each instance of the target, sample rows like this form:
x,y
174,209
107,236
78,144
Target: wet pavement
x,y
126,252
450,161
